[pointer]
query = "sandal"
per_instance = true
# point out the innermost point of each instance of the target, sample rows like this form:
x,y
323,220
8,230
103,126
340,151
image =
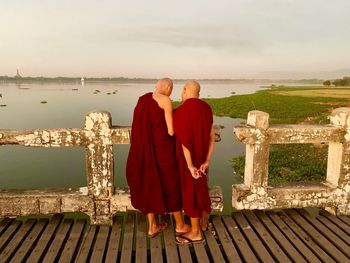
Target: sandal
x,y
188,241
180,233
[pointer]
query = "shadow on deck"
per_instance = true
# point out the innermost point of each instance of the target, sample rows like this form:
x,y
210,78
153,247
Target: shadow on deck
x,y
248,236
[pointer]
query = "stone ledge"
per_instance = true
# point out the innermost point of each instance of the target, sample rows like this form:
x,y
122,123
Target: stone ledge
x,y
287,134
50,201
288,196
121,201
43,192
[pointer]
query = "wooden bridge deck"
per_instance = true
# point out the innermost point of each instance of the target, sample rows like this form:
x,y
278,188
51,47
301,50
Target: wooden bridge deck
x,y
249,236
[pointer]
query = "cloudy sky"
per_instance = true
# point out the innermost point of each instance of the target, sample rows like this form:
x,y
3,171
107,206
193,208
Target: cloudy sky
x,y
180,39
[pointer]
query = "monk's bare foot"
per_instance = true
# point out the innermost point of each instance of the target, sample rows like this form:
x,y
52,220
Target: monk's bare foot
x,y
183,229
156,229
204,225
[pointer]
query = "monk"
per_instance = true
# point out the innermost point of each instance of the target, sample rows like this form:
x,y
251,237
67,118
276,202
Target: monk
x,y
195,137
152,171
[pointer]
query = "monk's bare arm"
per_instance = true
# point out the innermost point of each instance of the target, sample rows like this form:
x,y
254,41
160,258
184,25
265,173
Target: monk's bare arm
x,y
189,162
205,165
167,106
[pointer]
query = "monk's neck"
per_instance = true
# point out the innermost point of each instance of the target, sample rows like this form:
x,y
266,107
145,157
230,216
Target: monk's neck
x,y
157,93
191,98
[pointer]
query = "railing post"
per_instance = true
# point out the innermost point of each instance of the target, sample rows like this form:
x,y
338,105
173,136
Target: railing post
x,y
257,155
253,193
338,166
99,164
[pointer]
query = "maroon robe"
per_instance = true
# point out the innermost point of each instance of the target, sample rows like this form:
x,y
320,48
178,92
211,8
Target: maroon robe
x,y
152,170
193,122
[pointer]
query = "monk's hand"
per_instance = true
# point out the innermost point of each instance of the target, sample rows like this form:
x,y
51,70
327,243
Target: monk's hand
x,y
204,168
194,172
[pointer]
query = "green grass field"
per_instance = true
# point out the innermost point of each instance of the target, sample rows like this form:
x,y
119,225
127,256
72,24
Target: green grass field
x,y
285,105
292,163
288,105
320,92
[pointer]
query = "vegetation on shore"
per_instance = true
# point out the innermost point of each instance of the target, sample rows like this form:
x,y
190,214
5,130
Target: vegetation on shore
x,y
282,108
292,163
345,81
287,105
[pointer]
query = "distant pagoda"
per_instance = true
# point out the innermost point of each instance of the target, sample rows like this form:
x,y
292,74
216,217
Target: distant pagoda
x,y
18,76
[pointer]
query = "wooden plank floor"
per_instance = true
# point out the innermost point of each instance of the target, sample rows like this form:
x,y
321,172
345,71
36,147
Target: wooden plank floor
x,y
247,236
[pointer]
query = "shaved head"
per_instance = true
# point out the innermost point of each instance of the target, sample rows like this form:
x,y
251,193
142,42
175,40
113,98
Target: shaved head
x,y
193,87
191,90
164,86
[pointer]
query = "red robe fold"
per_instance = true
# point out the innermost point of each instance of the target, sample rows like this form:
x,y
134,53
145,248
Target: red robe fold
x,y
151,170
193,122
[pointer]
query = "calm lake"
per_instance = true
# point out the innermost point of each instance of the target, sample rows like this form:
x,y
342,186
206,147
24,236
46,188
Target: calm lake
x,y
27,168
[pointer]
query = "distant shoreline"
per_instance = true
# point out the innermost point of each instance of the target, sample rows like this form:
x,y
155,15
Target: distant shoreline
x,y
20,80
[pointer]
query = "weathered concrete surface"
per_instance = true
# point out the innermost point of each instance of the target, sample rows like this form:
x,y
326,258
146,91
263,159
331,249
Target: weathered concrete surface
x,y
51,201
66,137
291,196
287,134
217,198
120,201
338,171
257,154
12,206
100,164
121,135
99,154
45,201
44,138
59,137
334,194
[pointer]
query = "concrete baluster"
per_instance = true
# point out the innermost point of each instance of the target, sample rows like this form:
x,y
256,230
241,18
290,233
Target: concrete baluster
x,y
99,164
257,154
338,166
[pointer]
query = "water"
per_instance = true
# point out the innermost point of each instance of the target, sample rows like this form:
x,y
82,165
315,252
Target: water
x,y
27,168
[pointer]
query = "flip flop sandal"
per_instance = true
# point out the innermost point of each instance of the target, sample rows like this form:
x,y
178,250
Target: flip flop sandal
x,y
188,241
180,233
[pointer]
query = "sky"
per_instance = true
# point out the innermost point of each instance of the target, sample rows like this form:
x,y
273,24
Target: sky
x,y
179,39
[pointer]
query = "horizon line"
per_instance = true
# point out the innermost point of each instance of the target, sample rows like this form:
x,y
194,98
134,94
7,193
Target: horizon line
x,y
151,78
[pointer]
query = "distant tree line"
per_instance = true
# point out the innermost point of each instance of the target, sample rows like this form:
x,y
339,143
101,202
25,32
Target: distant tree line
x,y
37,79
41,79
345,81
7,79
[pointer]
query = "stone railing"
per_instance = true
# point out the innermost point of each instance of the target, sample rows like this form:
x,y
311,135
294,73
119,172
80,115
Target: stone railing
x,y
255,193
100,199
